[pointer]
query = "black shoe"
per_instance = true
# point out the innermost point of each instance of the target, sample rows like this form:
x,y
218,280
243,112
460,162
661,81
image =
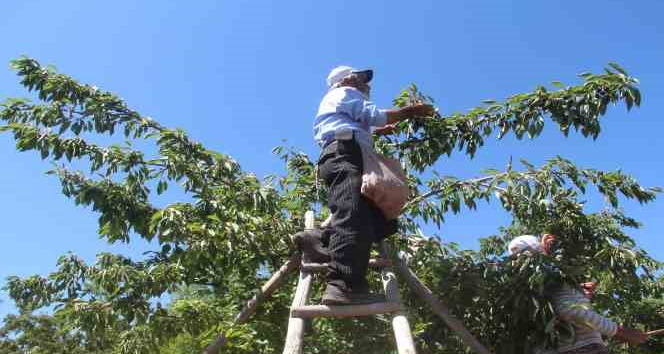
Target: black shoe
x,y
391,227
386,230
310,242
336,296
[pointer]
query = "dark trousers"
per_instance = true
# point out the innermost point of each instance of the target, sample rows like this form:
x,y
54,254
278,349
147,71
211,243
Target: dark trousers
x,y
356,222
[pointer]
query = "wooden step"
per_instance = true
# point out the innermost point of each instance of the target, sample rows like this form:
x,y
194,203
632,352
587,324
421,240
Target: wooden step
x,y
322,267
312,311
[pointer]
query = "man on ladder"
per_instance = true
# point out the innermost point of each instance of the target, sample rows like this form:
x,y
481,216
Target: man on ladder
x,y
345,117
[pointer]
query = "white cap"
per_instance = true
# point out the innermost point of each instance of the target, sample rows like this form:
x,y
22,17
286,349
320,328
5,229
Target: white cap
x,y
524,243
340,72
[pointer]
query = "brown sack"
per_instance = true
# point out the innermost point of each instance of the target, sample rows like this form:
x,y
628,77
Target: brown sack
x,y
384,182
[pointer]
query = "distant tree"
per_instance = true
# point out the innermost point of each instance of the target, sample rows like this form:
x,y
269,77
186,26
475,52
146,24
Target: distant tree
x,y
220,245
43,334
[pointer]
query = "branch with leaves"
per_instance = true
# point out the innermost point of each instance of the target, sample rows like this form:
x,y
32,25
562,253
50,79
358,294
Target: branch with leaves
x,y
215,248
579,107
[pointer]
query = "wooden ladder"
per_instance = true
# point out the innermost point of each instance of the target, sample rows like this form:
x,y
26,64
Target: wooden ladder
x,y
301,311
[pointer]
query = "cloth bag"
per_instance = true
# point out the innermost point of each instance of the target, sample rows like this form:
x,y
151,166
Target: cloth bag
x,y
383,182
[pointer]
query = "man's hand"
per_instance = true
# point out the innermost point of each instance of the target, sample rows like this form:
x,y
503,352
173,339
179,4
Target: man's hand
x,y
632,336
589,288
385,130
418,110
547,243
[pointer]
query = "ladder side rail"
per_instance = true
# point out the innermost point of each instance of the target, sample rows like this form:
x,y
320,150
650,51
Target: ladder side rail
x,y
438,307
295,334
402,332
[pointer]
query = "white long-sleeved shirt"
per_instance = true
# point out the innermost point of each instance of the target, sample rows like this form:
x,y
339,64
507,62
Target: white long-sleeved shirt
x,y
347,108
572,306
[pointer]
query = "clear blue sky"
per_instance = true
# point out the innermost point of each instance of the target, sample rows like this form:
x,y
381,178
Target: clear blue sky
x,y
240,76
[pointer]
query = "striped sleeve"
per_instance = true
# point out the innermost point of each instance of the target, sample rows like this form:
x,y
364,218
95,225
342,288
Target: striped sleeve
x,y
572,306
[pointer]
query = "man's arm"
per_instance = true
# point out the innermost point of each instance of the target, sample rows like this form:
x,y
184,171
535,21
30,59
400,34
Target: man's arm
x,y
397,115
569,307
385,130
631,336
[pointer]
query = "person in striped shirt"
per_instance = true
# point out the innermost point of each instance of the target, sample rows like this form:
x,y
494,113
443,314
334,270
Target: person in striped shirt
x,y
573,305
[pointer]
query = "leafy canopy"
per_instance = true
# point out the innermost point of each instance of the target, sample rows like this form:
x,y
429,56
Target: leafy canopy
x,y
214,250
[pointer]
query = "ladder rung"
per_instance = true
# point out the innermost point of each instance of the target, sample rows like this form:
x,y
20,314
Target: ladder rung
x,y
311,311
321,267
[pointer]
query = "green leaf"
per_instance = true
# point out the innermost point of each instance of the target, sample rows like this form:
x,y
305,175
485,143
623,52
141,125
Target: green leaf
x,y
161,187
618,68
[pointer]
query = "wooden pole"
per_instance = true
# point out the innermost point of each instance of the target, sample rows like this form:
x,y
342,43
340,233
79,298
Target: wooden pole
x,y
268,288
421,290
295,334
313,311
402,332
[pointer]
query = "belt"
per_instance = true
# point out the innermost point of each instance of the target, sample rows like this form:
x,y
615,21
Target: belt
x,y
342,134
328,143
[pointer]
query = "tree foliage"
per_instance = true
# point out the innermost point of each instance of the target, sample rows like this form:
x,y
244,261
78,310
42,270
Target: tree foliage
x,y
213,251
